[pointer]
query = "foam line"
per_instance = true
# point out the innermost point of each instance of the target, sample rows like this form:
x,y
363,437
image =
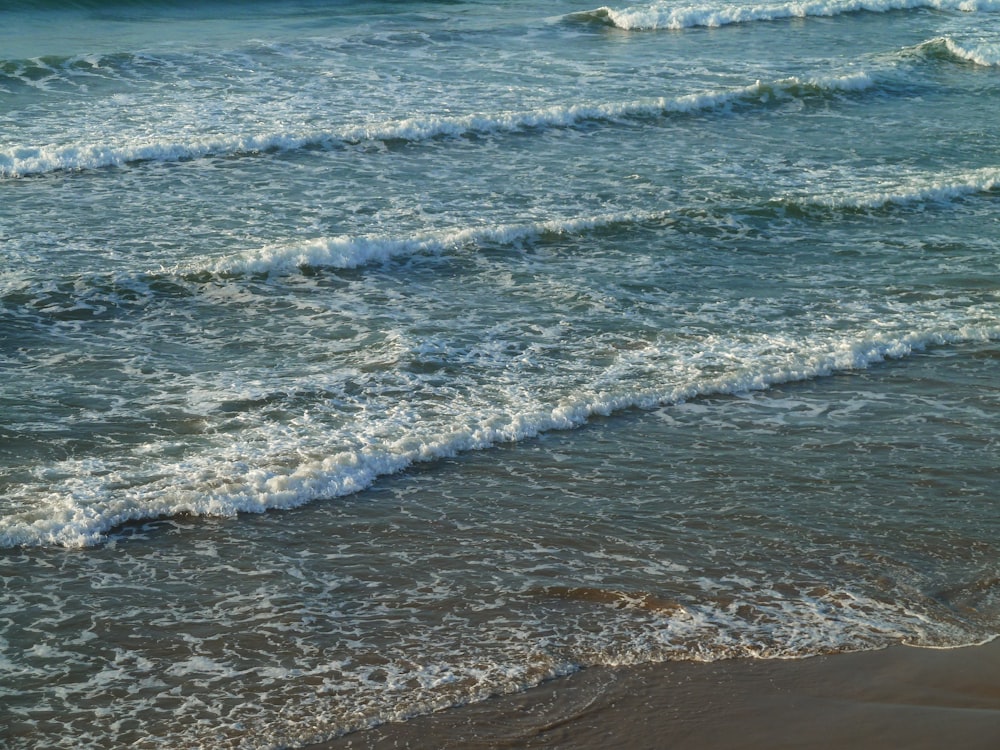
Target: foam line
x,y
225,486
351,252
916,190
36,160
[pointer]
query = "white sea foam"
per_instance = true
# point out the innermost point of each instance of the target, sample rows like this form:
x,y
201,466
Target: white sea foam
x,y
668,15
244,477
351,252
985,54
34,160
982,52
916,189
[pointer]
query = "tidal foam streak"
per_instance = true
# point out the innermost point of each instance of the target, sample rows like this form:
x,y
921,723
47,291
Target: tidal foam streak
x,y
240,476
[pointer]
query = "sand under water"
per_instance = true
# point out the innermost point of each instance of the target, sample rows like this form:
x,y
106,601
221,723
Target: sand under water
x,y
900,697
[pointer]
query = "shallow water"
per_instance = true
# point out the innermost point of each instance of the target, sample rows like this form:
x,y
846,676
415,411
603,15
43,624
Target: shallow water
x,y
362,360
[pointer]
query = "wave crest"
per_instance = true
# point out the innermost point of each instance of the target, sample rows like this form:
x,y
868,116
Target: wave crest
x,y
82,514
667,15
916,190
37,160
345,252
986,54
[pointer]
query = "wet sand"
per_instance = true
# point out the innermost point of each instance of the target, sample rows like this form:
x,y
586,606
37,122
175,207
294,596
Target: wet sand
x,y
897,698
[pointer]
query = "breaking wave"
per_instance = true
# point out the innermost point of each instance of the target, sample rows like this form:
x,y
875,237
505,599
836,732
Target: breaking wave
x,y
230,480
36,160
984,54
668,15
347,252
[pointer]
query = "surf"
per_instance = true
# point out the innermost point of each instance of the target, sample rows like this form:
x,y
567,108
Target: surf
x,y
945,48
668,16
876,193
872,193
224,481
27,161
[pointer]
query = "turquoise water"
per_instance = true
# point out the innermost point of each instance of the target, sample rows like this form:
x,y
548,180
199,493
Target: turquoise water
x,y
360,359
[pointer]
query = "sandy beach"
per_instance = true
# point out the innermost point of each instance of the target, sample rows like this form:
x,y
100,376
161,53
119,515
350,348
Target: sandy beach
x,y
897,698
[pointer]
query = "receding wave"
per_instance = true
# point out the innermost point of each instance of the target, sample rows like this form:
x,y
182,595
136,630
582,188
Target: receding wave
x,y
35,160
643,600
671,16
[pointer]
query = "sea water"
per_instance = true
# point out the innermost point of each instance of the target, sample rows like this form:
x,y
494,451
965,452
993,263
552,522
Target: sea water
x,y
359,359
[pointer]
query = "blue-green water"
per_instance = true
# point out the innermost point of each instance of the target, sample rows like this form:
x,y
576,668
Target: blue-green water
x,y
359,359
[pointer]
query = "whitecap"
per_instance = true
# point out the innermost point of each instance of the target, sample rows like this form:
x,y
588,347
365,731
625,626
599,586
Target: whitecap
x,y
345,252
22,161
671,16
245,477
916,189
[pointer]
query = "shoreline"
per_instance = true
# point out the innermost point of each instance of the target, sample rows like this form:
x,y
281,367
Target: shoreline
x,y
899,697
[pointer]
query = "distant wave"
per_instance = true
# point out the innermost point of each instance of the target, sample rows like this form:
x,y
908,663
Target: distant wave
x,y
668,15
35,160
945,48
130,4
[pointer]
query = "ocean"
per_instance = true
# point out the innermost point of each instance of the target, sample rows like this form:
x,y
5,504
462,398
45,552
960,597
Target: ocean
x,y
362,359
